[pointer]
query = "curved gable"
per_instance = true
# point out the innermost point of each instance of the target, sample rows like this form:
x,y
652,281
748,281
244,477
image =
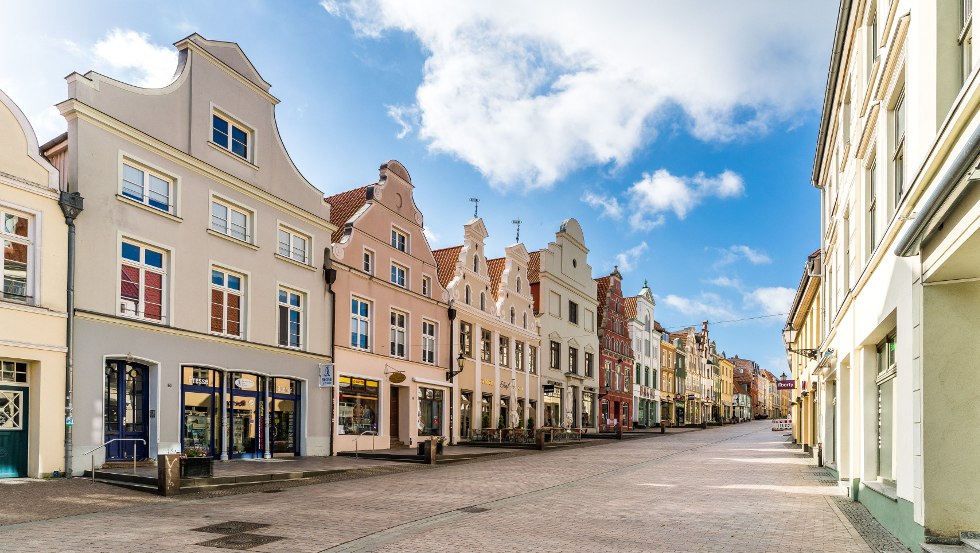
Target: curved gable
x,y
20,156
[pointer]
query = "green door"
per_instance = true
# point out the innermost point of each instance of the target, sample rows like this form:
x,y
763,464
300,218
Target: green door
x,y
13,432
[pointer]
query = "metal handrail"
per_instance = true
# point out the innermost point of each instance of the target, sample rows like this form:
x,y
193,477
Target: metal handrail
x,y
374,435
134,440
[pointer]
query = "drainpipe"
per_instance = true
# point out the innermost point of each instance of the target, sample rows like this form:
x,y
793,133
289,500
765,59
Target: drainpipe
x,y
71,206
452,391
330,276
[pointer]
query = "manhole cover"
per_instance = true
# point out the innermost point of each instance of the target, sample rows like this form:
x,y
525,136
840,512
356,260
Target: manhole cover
x,y
230,527
240,542
473,509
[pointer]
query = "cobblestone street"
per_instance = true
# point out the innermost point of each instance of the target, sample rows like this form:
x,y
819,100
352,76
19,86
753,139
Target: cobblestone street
x,y
734,488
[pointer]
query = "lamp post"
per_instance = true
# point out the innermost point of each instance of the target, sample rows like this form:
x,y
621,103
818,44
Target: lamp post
x,y
450,375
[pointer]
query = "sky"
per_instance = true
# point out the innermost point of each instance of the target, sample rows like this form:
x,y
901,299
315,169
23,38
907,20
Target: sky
x,y
679,134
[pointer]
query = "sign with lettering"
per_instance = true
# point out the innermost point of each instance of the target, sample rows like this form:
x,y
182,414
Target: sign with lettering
x,y
785,384
396,378
782,424
326,375
245,383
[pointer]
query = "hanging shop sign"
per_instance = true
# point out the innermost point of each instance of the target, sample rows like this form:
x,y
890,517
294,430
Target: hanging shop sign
x,y
396,378
326,374
785,384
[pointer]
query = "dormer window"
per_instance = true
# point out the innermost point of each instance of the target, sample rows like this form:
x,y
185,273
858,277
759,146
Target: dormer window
x,y
399,240
230,135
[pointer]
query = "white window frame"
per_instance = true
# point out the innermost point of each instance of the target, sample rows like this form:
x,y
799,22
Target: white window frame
x,y
899,173
32,288
394,275
427,286
301,309
231,206
165,271
148,171
293,235
226,291
397,233
368,261
357,318
12,367
398,332
233,123
430,331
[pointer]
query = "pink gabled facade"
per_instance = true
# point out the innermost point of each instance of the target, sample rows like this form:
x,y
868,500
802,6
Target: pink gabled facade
x,y
392,325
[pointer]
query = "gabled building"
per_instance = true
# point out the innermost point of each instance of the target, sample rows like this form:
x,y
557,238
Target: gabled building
x,y
747,376
32,303
565,307
802,337
686,345
393,329
726,371
616,355
498,337
646,360
669,392
201,308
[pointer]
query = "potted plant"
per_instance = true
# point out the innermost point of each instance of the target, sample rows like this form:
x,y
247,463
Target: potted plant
x,y
530,423
501,423
196,462
486,422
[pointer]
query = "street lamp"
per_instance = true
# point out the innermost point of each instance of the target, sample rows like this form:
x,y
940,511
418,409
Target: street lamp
x,y
451,374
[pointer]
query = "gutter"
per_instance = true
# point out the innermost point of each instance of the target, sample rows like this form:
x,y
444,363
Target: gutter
x,y
963,163
828,97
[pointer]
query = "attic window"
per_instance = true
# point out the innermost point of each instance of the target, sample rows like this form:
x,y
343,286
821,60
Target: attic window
x,y
574,263
230,135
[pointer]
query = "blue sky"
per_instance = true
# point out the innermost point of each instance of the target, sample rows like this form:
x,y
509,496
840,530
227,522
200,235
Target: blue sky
x,y
681,136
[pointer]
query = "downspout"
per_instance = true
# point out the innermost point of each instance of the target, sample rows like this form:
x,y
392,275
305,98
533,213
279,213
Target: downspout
x,y
452,391
71,206
330,276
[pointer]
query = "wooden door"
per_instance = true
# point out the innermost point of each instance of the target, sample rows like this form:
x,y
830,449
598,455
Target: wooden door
x,y
393,416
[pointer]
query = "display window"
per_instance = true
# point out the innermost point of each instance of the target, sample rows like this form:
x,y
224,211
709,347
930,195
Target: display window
x,y
284,431
430,411
358,405
202,412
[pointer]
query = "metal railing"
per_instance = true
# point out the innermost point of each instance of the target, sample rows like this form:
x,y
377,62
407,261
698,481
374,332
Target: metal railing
x,y
373,434
134,440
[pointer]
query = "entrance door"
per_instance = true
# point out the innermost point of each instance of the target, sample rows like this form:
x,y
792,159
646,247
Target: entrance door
x,y
246,413
465,414
393,415
13,432
126,412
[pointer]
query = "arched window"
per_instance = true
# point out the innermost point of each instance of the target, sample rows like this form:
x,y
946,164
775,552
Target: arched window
x,y
646,324
518,285
476,263
483,301
525,319
467,298
513,316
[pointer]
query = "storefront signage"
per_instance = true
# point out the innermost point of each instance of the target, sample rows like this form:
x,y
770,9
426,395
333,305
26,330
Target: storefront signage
x,y
200,381
326,375
785,384
244,383
487,382
396,378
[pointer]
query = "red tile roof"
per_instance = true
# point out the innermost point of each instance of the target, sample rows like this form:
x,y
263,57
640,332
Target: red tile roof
x,y
496,268
659,327
602,287
629,306
446,259
534,267
342,206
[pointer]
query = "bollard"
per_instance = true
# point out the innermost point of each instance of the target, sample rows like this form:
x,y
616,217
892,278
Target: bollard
x,y
663,428
430,451
539,440
619,431
168,474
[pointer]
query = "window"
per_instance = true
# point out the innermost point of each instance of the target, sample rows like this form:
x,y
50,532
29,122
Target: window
x,y
589,320
399,240
290,318
898,153
486,349
513,316
646,347
525,319
13,371
147,187
518,285
427,287
428,342
367,262
17,233
638,374
230,136
397,340
589,363
466,338
573,312
519,355
398,275
360,323
358,405
554,304
573,360
226,302
966,39
532,359
872,207
504,351
885,380
555,359
230,219
466,296
607,374
872,40
294,245
142,281
476,263
483,301
646,323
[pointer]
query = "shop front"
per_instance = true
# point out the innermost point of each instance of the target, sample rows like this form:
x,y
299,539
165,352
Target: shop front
x,y
588,410
552,406
358,405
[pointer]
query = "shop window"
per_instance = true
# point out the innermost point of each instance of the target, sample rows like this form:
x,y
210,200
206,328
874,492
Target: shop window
x,y
142,281
430,411
588,409
885,380
486,411
358,412
201,389
284,430
552,407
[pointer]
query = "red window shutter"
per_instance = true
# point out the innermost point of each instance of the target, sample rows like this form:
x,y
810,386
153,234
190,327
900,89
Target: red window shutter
x,y
234,315
154,295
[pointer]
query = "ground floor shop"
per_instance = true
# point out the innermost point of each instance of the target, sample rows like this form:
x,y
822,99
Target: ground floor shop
x,y
647,412
615,410
143,391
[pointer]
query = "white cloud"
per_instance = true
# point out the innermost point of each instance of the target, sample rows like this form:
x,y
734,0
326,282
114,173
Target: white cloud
x,y
431,236
735,252
775,300
608,204
141,62
726,282
405,117
527,92
626,261
660,191
705,305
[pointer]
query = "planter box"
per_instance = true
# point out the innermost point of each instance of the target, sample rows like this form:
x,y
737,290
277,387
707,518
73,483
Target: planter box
x,y
196,467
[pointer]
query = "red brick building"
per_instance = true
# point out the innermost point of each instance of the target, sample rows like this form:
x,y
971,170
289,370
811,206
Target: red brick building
x,y
616,355
746,373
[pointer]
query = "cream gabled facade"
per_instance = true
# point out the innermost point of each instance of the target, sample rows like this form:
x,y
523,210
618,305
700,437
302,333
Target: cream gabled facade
x,y
201,310
646,357
392,349
803,335
497,336
896,166
32,303
565,308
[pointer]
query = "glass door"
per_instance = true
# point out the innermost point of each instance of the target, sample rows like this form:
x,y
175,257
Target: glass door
x,y
246,414
201,434
465,414
126,411
285,416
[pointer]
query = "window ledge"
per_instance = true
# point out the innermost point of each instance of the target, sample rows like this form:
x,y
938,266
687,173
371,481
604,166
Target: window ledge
x,y
232,239
294,262
233,155
145,207
887,490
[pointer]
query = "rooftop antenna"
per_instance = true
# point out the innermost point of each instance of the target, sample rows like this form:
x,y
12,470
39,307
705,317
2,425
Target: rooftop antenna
x,y
518,223
476,207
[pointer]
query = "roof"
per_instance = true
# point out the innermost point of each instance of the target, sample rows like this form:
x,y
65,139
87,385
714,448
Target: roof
x,y
446,259
342,206
659,327
496,268
629,305
534,267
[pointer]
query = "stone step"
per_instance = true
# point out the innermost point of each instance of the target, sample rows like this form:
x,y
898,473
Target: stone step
x,y
971,542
